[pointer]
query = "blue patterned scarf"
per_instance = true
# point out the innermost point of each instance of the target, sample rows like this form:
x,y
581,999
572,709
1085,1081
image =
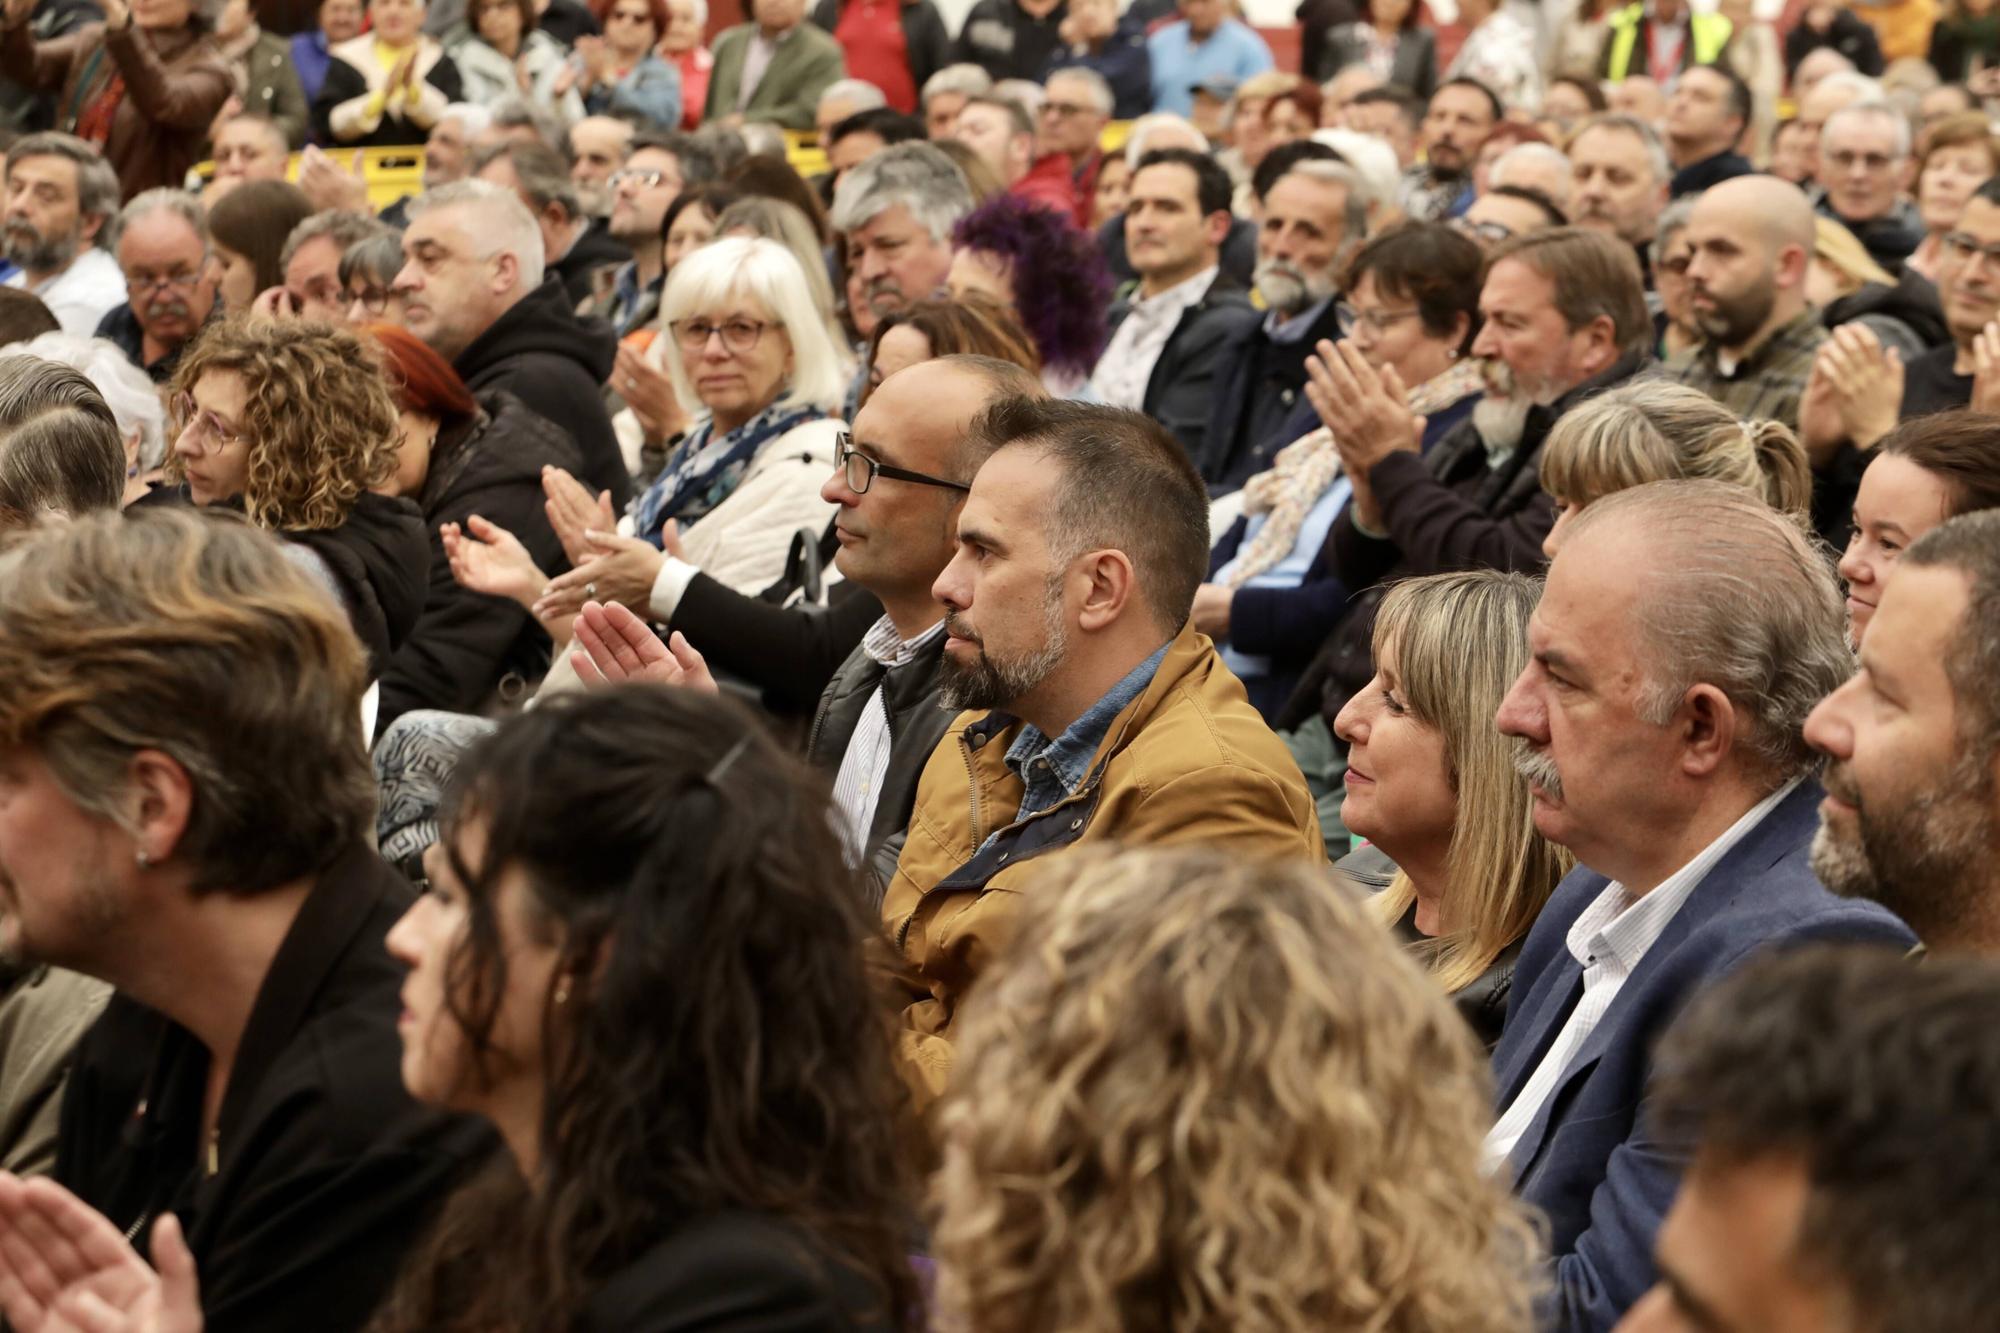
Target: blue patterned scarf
x,y
702,472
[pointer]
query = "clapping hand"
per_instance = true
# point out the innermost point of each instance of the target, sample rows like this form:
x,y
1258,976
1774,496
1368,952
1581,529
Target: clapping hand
x,y
613,645
615,569
573,512
64,1268
1367,410
491,560
649,392
1854,394
1986,369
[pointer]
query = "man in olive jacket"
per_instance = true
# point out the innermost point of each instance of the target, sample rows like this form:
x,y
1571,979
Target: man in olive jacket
x,y
1096,712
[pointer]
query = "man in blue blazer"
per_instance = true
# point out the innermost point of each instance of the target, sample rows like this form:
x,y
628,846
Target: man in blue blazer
x,y
1685,633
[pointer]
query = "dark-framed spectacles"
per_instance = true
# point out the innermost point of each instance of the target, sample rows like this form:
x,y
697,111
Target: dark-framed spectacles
x,y
1377,322
1965,247
1487,233
738,335
859,471
374,300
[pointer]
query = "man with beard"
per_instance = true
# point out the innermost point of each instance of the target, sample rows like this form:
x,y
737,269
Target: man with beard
x,y
170,277
1750,244
1096,712
1618,180
1563,316
657,169
1313,214
1685,632
61,197
596,146
1461,114
1911,817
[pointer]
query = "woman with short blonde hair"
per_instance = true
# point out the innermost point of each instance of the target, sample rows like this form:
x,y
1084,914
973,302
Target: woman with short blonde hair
x,y
1206,1094
1652,430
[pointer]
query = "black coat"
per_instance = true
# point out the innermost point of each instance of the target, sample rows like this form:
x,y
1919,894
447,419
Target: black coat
x,y
590,252
467,645
381,560
1180,392
1906,317
1847,34
544,354
926,40
344,83
1414,67
1007,41
326,1172
1260,404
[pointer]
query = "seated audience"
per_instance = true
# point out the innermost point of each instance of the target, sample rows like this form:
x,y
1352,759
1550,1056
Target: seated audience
x,y
263,82
1499,51
23,316
1661,42
574,250
1412,309
1200,1093
1096,38
1071,123
311,50
249,227
1532,165
1864,154
861,136
1959,154
198,692
1507,211
311,261
596,146
681,45
390,85
843,98
794,62
1685,632
945,92
1461,113
1003,133
1391,116
1910,815
1387,39
473,288
622,73
1923,473
1707,115
62,201
143,85
976,325
1095,711
1750,246
1964,42
1849,287
1204,43
246,147
1822,25
1842,1173
1667,259
895,214
1045,270
1453,849
170,280
659,168
1621,176
367,275
504,55
658,1016
1649,430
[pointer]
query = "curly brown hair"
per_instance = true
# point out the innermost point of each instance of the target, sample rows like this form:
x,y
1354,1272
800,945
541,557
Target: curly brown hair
x,y
322,424
1206,1095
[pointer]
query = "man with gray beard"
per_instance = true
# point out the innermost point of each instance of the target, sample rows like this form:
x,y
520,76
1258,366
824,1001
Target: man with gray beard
x,y
1685,633
1096,712
1563,315
1314,215
61,198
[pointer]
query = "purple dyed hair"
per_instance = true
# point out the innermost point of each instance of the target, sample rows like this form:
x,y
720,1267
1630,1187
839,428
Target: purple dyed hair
x,y
1062,287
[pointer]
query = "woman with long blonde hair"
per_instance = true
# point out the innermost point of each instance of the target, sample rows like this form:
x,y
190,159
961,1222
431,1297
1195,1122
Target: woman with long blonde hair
x,y
1652,430
1208,1096
1431,784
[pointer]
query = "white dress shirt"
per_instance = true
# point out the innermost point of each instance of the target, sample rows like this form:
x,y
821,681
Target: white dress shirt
x,y
1127,364
857,788
83,294
1609,939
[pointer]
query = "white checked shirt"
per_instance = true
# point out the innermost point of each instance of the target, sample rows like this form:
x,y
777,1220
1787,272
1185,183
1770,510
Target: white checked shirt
x,y
1609,939
1127,364
857,788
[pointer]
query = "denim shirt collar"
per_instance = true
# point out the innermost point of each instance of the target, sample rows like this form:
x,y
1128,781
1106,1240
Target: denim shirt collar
x,y
1053,769
1280,329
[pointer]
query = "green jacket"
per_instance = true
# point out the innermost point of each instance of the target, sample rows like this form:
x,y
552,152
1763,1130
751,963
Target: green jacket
x,y
273,88
1624,54
806,62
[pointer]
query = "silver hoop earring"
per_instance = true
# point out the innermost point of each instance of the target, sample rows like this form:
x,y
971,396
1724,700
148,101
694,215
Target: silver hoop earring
x,y
145,861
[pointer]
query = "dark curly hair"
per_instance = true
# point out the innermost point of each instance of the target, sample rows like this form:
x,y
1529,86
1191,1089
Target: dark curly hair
x,y
719,1052
1062,287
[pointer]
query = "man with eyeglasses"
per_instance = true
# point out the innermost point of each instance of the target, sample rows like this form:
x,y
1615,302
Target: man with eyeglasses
x,y
657,169
999,130
170,278
1507,211
1863,152
1072,123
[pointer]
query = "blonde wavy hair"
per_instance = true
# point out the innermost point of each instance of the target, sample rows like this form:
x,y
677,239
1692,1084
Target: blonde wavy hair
x,y
1652,430
1842,251
1452,645
1206,1095
321,422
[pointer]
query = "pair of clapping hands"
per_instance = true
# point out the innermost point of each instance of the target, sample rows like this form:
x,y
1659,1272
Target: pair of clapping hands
x,y
64,1268
1855,393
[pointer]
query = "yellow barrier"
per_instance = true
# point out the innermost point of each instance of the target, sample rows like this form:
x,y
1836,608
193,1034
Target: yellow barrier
x,y
391,173
802,148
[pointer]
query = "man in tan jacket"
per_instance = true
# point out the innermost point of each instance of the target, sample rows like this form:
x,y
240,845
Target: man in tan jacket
x,y
1093,710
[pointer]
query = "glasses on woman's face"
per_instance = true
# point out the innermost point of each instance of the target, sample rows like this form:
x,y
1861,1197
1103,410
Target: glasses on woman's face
x,y
372,300
738,335
191,416
859,471
1377,322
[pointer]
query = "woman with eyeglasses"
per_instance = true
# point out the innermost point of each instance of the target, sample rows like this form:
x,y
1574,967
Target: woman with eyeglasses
x,y
1412,306
620,74
389,86
368,272
291,422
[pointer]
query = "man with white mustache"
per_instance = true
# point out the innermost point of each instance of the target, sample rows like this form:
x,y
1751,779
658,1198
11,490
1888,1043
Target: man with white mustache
x,y
170,276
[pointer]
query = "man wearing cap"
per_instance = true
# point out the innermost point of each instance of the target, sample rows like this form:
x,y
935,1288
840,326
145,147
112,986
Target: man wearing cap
x,y
1206,44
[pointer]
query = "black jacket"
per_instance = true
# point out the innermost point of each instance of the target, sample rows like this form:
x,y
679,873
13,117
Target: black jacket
x,y
344,83
324,1172
381,558
1847,34
1711,170
916,725
735,1272
1906,317
926,40
1007,41
590,252
1259,403
1414,67
1445,510
556,363
467,645
1889,239
1180,392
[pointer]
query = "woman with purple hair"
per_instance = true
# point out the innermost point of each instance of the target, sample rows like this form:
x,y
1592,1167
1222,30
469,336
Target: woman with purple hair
x,y
1051,275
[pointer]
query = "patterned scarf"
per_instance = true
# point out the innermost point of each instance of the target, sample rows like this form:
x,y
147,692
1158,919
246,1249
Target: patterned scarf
x,y
1303,469
97,107
705,469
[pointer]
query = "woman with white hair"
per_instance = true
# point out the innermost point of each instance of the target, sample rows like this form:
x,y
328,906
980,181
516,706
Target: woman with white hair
x,y
133,398
752,350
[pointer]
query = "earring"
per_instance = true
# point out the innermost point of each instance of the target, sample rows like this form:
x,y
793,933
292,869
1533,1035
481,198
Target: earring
x,y
562,990
145,861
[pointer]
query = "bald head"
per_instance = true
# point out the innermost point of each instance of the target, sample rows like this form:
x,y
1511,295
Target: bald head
x,y
1750,242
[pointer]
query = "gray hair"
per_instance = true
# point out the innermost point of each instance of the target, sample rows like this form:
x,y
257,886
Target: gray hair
x,y
505,224
967,80
1354,209
1648,137
60,450
378,258
1970,544
346,228
133,398
96,182
760,138
1853,80
1139,142
1740,599
1523,153
475,118
1673,221
916,175
1877,109
864,95
166,199
1100,88
511,113
543,174
697,157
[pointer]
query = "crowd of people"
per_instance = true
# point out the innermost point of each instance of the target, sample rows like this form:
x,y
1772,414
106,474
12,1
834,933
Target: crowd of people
x,y
1163,694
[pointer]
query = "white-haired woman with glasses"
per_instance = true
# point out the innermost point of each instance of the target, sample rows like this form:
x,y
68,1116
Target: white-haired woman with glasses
x,y
750,347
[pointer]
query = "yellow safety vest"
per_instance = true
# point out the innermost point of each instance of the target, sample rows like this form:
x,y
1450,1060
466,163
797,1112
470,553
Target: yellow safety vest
x,y
1707,35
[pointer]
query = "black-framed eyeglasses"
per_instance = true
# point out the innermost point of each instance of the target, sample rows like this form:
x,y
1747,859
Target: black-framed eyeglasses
x,y
1489,233
859,471
374,300
738,335
1347,319
1965,247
